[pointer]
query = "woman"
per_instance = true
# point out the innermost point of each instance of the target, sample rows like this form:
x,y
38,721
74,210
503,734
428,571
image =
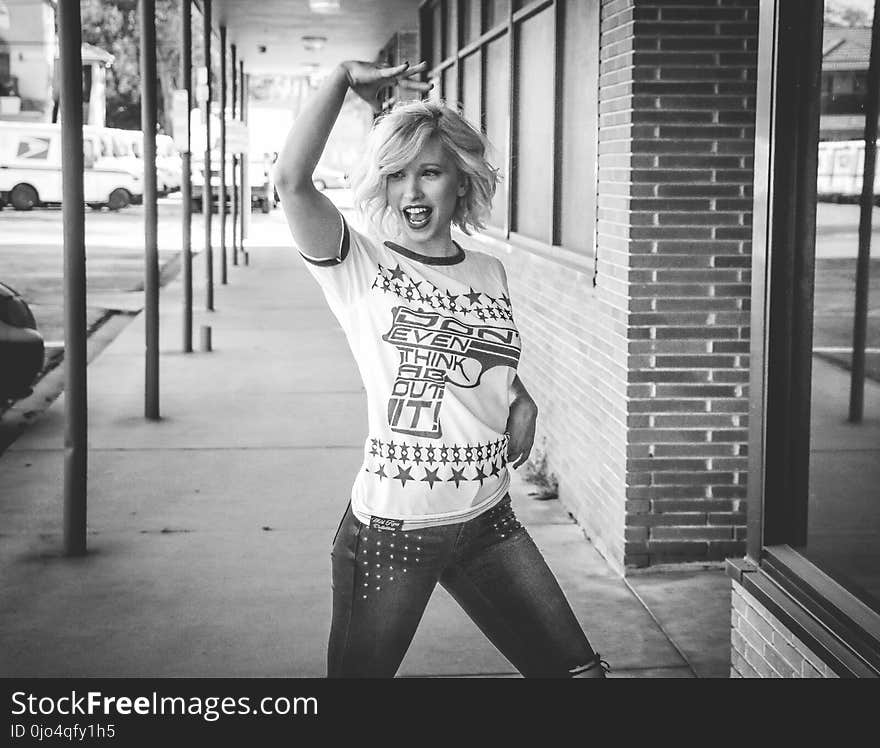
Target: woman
x,y
432,331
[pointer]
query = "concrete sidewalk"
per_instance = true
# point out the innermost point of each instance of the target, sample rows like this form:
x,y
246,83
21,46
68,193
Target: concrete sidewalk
x,y
209,530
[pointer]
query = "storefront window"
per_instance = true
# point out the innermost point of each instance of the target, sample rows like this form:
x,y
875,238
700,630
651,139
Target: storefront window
x,y
470,20
496,12
498,120
534,128
545,150
843,511
470,87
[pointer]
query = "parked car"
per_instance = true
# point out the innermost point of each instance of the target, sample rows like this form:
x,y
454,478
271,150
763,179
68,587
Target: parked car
x,y
325,178
30,168
21,346
169,166
263,195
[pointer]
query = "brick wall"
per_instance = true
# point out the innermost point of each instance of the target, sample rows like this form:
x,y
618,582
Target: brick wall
x,y
574,362
761,647
677,102
642,381
574,365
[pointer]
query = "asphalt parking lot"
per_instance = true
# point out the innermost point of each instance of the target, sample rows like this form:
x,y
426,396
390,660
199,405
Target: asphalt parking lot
x,y
32,258
834,294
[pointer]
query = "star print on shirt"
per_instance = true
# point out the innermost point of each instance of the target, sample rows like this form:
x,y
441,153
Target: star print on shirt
x,y
403,476
480,476
481,303
457,476
431,476
381,472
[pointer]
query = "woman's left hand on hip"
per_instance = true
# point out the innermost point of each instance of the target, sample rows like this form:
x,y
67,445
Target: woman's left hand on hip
x,y
521,428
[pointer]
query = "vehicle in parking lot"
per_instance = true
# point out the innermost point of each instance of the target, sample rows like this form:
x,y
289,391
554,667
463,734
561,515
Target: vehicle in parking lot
x,y
30,169
263,194
325,177
169,166
21,346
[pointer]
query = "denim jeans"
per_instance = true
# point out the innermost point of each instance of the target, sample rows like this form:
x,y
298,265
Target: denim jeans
x,y
382,580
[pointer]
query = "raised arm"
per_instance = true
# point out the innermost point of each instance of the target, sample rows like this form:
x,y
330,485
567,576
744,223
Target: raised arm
x,y
312,217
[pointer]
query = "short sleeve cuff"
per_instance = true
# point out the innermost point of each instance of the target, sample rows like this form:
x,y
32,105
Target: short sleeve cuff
x,y
341,253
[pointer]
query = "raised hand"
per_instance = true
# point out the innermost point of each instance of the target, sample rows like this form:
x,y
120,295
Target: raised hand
x,y
366,79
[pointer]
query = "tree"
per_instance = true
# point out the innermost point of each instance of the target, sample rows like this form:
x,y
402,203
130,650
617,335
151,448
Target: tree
x,y
843,13
113,25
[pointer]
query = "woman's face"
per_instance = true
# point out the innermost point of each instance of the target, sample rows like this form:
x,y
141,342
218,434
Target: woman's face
x,y
424,194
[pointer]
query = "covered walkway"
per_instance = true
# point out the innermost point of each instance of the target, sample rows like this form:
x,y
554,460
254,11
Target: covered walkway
x,y
209,530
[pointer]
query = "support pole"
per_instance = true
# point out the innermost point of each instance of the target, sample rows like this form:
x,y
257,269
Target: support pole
x,y
222,208
235,159
151,222
207,197
863,263
245,168
186,181
73,200
244,201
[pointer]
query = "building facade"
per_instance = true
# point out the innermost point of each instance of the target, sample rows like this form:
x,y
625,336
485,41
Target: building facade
x,y
29,66
629,224
27,58
845,54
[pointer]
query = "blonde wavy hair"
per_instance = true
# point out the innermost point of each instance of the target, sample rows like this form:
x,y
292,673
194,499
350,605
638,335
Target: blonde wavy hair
x,y
396,139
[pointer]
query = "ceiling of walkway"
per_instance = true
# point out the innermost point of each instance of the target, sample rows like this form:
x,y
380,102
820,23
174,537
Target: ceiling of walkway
x,y
358,30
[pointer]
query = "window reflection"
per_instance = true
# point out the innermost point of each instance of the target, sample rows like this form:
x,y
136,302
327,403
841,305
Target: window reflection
x,y
843,525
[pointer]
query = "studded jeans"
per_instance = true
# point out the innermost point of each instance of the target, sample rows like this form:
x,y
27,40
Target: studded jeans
x,y
382,580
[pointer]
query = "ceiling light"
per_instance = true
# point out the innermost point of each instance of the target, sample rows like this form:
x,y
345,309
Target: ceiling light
x,y
314,43
324,6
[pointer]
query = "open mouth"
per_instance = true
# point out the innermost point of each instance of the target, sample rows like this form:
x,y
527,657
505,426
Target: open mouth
x,y
417,216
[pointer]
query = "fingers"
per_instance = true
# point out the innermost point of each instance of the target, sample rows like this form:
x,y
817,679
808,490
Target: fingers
x,y
416,85
517,457
403,71
416,69
393,72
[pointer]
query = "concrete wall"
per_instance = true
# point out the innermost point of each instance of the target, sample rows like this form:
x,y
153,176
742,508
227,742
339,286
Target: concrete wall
x,y
761,647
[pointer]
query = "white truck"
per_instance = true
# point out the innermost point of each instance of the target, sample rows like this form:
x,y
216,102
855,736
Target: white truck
x,y
30,169
169,166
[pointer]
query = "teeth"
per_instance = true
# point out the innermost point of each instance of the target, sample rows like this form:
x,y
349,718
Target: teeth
x,y
417,217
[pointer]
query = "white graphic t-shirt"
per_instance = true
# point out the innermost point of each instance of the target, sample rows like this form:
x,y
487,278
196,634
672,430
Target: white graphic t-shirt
x,y
437,349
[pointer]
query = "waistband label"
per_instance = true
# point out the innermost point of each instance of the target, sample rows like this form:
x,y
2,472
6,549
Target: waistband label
x,y
384,523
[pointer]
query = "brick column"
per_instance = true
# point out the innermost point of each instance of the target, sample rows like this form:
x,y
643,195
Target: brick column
x,y
677,103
